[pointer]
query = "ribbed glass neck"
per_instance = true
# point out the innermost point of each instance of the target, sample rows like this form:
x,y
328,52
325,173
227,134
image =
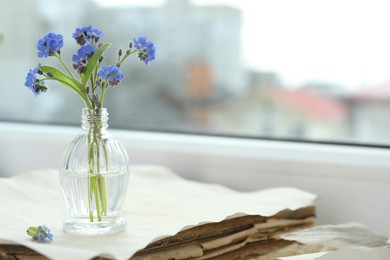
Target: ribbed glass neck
x,y
94,118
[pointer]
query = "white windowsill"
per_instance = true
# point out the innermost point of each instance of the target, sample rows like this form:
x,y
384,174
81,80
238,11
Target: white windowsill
x,y
273,154
352,183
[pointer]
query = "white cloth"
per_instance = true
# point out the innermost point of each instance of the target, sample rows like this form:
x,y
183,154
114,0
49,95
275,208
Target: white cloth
x,y
158,203
352,241
338,236
375,253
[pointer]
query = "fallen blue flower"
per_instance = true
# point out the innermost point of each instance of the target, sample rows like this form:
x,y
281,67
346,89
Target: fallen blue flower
x,y
40,233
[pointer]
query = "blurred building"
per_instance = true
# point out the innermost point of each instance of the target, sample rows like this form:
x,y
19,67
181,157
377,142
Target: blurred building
x,y
23,22
371,114
198,61
184,34
282,113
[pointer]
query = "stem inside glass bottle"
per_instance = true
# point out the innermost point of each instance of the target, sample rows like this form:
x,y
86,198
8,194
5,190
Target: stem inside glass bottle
x,y
96,181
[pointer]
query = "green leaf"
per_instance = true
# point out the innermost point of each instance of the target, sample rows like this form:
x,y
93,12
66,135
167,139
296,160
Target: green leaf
x,y
92,63
65,80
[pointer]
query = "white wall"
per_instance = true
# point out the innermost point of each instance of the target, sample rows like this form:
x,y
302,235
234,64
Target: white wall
x,y
352,183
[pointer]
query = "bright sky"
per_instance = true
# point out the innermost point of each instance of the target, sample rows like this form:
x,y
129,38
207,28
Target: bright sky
x,y
336,41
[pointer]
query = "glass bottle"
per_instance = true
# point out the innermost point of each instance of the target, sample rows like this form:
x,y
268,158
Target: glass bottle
x,y
94,174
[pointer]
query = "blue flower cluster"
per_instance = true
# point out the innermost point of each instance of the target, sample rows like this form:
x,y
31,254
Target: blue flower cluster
x,y
87,37
87,33
82,55
148,50
112,74
93,77
35,85
40,233
50,44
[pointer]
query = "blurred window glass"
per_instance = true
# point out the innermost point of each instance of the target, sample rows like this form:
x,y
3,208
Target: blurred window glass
x,y
301,70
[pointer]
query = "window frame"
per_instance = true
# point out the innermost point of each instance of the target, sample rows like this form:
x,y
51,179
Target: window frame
x,y
275,151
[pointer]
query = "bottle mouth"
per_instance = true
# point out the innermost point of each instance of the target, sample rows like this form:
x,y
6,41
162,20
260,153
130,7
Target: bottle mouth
x,y
93,111
94,117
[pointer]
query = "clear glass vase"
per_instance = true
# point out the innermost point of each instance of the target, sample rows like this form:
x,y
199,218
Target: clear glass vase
x,y
94,174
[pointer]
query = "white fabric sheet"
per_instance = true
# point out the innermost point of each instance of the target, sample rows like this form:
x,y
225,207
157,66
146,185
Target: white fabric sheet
x,y
376,253
352,241
158,203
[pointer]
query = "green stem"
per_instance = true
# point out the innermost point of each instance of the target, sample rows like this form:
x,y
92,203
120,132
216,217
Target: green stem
x,y
92,84
97,199
127,55
90,198
95,74
83,95
104,87
103,195
97,183
96,171
64,65
32,231
102,182
74,88
90,177
86,100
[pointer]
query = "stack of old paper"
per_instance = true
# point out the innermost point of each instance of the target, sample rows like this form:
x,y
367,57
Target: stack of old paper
x,y
237,237
160,203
